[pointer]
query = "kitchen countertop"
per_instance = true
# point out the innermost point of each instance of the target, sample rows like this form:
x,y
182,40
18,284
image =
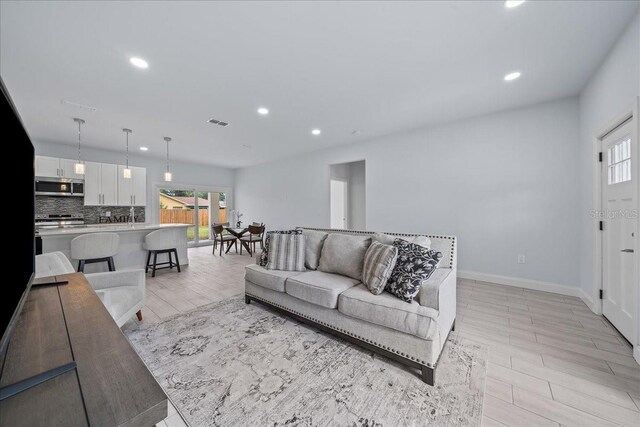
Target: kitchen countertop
x,y
104,228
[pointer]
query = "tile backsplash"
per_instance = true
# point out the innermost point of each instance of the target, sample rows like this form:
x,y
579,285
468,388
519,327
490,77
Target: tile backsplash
x,y
92,214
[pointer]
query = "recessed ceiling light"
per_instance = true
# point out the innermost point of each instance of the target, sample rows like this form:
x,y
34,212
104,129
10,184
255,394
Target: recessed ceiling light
x,y
144,148
510,4
316,132
512,76
263,111
139,62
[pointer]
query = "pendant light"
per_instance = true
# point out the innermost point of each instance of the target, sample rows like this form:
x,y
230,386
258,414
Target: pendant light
x,y
126,172
167,174
79,166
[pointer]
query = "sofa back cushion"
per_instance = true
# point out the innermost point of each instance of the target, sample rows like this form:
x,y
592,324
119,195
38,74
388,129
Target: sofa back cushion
x,y
379,262
314,243
286,252
344,254
387,239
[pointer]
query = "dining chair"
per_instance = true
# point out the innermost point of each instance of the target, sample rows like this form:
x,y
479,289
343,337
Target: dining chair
x,y
219,236
254,236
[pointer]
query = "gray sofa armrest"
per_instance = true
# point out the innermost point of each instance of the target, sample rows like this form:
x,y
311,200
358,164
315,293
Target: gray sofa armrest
x,y
113,279
439,291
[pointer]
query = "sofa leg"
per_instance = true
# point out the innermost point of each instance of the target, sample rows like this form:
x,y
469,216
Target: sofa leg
x,y
139,315
453,328
247,299
428,375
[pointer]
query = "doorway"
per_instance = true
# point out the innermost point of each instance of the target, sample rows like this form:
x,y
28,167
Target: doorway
x,y
619,200
339,203
184,205
347,195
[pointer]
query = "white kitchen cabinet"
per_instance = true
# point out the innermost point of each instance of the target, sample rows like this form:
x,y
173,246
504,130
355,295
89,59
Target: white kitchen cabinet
x,y
100,184
92,187
109,181
54,167
132,191
139,186
48,166
68,169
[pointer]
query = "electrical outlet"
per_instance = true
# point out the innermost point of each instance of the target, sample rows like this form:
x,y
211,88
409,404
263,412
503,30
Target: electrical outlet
x,y
108,213
521,259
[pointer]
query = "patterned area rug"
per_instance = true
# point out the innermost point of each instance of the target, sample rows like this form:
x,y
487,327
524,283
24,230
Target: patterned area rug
x,y
232,364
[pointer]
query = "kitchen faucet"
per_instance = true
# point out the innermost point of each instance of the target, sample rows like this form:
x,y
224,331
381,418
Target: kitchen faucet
x,y
132,216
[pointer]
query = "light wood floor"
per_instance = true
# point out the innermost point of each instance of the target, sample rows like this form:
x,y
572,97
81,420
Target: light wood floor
x,y
552,361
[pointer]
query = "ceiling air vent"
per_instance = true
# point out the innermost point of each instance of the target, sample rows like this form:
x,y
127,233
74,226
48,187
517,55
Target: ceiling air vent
x,y
218,122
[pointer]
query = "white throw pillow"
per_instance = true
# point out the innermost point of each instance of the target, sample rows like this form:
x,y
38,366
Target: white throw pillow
x,y
387,239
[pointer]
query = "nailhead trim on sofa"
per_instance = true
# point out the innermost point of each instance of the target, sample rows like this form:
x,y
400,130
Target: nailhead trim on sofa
x,y
422,362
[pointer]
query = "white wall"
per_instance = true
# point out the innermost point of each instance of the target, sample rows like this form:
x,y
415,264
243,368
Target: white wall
x,y
612,89
357,196
183,173
505,184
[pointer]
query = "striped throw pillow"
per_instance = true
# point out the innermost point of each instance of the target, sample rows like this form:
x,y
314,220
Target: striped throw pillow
x,y
286,252
379,262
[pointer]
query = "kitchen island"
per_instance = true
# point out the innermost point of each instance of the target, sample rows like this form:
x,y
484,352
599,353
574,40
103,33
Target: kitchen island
x,y
131,253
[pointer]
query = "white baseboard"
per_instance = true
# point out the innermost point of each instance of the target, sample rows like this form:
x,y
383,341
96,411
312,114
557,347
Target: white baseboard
x,y
535,285
588,300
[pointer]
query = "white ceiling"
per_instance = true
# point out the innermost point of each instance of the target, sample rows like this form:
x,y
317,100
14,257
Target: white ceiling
x,y
379,67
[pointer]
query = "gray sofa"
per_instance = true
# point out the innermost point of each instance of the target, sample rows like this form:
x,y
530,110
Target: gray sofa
x,y
412,333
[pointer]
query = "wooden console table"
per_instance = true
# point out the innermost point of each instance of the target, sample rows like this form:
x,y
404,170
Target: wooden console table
x,y
110,386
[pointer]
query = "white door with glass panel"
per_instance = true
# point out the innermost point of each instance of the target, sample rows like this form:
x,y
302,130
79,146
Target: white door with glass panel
x,y
338,204
620,204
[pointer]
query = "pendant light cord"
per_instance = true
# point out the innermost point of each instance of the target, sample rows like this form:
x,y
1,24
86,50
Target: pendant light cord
x,y
79,124
167,140
127,149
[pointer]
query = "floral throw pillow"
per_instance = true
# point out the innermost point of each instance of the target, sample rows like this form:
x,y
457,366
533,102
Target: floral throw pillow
x,y
264,256
415,264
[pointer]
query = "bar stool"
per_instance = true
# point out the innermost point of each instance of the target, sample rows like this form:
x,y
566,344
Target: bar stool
x,y
160,242
95,247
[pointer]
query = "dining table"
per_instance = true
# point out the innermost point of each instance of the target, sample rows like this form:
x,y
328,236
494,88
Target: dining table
x,y
238,233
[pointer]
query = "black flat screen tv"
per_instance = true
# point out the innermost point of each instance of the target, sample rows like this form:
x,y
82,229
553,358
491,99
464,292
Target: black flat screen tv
x,y
20,270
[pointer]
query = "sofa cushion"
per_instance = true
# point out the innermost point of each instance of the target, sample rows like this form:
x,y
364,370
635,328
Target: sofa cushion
x,y
387,310
344,254
270,279
415,264
319,288
379,262
314,243
264,255
388,239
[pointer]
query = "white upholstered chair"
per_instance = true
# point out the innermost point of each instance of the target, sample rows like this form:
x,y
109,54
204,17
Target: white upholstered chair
x,y
161,242
121,292
95,247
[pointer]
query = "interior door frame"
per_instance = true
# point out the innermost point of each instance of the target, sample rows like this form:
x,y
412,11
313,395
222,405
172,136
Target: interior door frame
x,y
596,303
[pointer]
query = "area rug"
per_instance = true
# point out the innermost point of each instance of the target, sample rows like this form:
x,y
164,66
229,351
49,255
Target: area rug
x,y
232,364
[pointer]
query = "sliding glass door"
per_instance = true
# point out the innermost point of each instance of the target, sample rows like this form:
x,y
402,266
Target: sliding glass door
x,y
189,206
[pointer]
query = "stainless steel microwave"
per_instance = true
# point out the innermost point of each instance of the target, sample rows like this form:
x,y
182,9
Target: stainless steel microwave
x,y
46,186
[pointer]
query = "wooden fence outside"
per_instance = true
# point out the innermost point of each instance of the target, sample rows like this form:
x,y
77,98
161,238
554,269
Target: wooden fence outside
x,y
185,216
